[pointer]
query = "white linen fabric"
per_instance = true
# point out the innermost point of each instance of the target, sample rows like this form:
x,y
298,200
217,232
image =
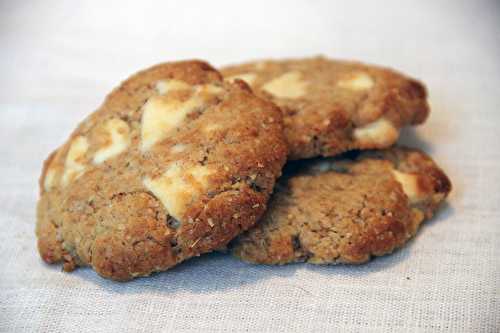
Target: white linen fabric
x,y
57,61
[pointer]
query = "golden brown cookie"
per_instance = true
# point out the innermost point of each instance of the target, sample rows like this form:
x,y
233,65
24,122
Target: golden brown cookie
x,y
346,210
332,106
175,163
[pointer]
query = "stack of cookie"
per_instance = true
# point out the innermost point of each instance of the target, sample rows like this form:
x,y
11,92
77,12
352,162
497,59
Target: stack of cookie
x,y
181,160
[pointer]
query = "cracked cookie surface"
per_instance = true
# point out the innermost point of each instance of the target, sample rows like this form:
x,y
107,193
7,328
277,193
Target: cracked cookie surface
x,y
175,163
332,106
342,210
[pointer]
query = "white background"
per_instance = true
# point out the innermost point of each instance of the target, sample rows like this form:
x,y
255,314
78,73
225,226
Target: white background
x,y
58,59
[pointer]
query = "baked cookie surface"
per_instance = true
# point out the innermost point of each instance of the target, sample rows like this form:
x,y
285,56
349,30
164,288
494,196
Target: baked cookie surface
x,y
332,106
345,210
176,162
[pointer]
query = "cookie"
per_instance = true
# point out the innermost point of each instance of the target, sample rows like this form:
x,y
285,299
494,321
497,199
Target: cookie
x,y
332,106
175,163
342,210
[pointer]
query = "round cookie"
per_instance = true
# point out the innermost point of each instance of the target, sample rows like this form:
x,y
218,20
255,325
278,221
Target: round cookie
x,y
176,162
332,106
346,210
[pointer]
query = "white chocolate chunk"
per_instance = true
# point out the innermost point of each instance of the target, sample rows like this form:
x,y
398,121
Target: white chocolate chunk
x,y
247,77
178,148
178,187
380,132
118,131
409,182
162,114
288,85
211,127
358,81
48,182
74,166
165,86
208,90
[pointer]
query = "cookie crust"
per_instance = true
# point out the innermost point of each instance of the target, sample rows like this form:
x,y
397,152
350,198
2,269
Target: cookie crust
x,y
332,106
175,163
329,211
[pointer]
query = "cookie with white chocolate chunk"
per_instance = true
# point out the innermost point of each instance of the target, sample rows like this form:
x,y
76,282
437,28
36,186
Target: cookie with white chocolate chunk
x,y
332,106
345,210
175,163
